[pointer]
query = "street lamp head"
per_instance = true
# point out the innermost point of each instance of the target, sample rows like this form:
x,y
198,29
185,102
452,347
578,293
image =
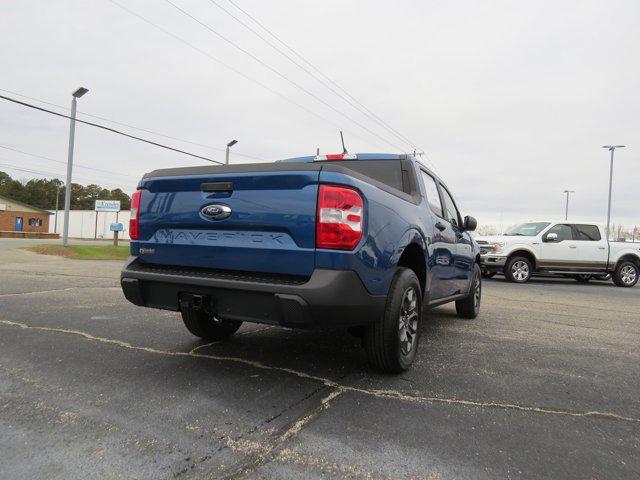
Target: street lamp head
x,y
232,143
612,147
80,92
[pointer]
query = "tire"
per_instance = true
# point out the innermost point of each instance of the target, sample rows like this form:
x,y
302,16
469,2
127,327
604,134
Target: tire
x,y
584,278
470,306
518,270
202,324
626,274
486,274
391,342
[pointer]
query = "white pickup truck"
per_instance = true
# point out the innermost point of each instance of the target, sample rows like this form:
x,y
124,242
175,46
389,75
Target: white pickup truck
x,y
579,250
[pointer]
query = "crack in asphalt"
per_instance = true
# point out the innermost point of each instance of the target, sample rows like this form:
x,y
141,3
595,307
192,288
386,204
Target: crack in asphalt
x,y
56,291
36,273
390,394
264,455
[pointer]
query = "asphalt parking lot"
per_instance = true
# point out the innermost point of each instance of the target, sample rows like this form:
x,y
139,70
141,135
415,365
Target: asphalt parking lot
x,y
544,384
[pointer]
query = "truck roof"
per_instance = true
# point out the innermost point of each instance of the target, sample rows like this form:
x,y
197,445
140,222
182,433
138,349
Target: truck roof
x,y
359,156
268,166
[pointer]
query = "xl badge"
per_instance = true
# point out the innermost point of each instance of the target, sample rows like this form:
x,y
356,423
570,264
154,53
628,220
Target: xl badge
x,y
216,212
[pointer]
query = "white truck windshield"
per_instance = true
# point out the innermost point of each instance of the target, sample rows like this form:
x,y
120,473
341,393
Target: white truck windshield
x,y
528,229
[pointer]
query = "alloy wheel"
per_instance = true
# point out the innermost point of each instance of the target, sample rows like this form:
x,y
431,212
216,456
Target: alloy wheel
x,y
520,270
408,324
477,293
628,274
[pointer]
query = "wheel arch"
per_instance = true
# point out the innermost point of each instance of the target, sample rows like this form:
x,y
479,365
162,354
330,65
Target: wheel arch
x,y
629,257
411,254
526,254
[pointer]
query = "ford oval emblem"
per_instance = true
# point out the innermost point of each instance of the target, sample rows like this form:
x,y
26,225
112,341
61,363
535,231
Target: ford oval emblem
x,y
215,212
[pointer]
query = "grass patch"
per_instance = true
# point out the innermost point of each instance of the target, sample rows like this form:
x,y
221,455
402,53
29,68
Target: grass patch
x,y
83,252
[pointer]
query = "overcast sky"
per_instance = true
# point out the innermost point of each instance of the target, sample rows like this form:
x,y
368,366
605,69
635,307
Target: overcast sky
x,y
511,100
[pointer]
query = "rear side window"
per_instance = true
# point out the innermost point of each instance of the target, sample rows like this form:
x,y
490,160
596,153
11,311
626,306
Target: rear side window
x,y
589,233
388,172
433,197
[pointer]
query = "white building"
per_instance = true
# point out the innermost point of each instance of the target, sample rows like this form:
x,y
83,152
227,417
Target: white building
x,y
82,223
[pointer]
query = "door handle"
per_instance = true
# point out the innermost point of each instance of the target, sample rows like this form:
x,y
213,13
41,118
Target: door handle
x,y
572,246
601,248
441,226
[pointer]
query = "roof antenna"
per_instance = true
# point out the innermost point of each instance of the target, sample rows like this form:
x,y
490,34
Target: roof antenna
x,y
344,149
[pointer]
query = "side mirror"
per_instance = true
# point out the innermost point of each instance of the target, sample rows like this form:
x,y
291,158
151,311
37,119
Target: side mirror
x,y
551,237
469,223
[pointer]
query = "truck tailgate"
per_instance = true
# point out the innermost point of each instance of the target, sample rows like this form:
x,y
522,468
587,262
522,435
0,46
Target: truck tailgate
x,y
271,226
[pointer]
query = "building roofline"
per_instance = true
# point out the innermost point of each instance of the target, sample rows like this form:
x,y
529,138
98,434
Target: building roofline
x,y
3,197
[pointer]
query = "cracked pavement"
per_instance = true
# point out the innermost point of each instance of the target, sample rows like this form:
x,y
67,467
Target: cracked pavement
x,y
544,384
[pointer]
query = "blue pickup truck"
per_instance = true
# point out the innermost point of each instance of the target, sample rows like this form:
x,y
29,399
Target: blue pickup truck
x,y
362,241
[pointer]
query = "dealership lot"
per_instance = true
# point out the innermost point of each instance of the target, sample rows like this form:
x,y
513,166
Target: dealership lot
x,y
544,384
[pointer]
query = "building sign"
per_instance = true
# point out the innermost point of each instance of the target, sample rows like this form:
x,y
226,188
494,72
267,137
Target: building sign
x,y
107,206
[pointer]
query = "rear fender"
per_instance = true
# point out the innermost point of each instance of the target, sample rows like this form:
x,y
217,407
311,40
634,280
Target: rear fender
x,y
411,236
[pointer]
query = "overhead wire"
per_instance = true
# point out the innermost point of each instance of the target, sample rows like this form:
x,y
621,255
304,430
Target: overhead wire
x,y
226,65
109,129
329,79
75,164
49,174
280,74
116,122
345,96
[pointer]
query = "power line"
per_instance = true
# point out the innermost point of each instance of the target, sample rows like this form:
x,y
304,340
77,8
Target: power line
x,y
133,126
50,174
226,65
75,164
109,129
329,79
349,99
280,74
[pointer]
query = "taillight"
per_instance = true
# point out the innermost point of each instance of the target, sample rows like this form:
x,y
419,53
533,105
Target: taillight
x,y
339,221
135,214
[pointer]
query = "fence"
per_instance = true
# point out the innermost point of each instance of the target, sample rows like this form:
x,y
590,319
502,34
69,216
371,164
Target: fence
x,y
83,224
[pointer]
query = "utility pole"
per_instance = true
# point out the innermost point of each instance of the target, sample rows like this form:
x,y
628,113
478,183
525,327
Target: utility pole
x,y
229,145
611,148
67,191
55,226
566,208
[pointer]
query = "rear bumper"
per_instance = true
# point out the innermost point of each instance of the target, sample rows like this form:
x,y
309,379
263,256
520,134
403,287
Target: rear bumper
x,y
327,298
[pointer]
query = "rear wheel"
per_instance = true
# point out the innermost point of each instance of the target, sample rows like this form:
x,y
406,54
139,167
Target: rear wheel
x,y
518,270
391,342
206,326
626,274
583,278
470,306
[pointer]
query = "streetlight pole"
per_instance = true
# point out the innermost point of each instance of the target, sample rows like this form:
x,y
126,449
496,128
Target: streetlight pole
x,y
67,191
611,148
566,208
229,145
